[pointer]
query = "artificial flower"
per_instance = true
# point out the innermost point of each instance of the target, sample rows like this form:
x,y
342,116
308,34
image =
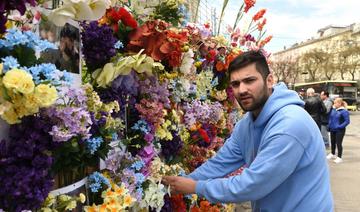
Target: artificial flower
x,y
80,10
259,15
19,81
46,95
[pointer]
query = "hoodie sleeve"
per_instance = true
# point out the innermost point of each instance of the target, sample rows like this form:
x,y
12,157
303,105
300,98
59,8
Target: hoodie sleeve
x,y
272,166
228,159
345,115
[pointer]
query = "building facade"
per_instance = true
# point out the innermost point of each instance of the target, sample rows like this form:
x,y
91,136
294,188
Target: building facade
x,y
331,40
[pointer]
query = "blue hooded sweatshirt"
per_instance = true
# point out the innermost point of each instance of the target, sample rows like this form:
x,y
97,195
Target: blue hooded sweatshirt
x,y
338,119
285,158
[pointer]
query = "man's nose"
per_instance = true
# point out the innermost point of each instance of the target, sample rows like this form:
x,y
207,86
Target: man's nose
x,y
241,89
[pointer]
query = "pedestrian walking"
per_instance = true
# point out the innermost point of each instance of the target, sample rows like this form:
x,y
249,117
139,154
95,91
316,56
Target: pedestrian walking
x,y
286,168
338,120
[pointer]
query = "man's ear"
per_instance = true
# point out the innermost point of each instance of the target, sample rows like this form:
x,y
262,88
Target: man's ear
x,y
270,81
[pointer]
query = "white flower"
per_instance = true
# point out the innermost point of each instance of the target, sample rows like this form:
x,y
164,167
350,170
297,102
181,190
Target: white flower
x,y
187,62
61,15
80,10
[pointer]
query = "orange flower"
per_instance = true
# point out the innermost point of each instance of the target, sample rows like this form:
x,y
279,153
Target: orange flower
x,y
195,209
204,204
261,25
265,41
259,14
248,4
220,66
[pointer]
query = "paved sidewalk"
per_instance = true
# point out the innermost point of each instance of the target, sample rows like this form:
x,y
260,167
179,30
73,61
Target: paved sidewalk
x,y
345,177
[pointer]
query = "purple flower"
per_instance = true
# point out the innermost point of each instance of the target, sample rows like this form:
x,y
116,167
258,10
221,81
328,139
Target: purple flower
x,y
171,148
98,45
25,179
147,154
69,122
152,89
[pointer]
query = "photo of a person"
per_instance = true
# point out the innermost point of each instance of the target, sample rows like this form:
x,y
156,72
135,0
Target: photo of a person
x,y
66,57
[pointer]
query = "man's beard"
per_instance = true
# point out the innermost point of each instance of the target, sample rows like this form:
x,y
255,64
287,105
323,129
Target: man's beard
x,y
257,103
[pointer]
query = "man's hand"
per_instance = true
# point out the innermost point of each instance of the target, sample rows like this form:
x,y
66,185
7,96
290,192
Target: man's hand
x,y
180,185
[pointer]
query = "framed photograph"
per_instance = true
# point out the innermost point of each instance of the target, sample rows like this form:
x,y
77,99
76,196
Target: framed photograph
x,y
67,39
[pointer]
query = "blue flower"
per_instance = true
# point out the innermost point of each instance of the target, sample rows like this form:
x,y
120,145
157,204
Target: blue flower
x,y
142,126
9,63
138,165
96,180
114,136
48,72
119,45
16,37
139,179
215,82
93,144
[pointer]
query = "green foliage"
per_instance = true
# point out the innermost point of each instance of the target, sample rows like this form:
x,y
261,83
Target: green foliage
x,y
24,55
168,11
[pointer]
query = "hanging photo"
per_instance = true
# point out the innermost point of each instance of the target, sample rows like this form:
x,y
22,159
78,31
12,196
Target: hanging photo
x,y
67,55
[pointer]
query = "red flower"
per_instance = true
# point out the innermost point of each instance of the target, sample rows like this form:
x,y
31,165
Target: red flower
x,y
248,4
127,18
261,25
113,15
211,55
265,41
158,42
178,203
120,15
259,14
204,135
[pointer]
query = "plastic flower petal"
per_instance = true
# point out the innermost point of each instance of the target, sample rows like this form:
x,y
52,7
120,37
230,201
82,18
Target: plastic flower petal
x,y
61,15
19,80
106,75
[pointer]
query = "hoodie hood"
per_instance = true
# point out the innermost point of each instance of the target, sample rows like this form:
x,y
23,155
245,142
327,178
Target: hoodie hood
x,y
280,97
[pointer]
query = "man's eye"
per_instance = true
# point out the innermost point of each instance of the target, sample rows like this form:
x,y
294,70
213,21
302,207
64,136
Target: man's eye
x,y
235,84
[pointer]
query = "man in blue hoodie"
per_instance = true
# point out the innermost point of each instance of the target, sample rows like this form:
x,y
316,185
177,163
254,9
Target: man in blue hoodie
x,y
277,140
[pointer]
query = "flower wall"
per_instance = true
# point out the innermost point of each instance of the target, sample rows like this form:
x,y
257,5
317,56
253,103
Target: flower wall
x,y
154,101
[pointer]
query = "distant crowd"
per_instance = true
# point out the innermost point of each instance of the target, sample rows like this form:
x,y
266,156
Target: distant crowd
x,y
331,116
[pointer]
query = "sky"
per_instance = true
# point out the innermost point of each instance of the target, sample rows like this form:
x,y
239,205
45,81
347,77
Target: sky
x,y
292,21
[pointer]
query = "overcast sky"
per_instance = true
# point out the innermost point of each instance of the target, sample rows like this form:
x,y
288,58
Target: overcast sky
x,y
291,21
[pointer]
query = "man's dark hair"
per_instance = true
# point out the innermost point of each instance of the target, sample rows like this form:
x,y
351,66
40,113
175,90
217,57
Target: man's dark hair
x,y
326,93
69,32
248,58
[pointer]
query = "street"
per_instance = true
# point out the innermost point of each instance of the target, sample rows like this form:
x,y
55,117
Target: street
x,y
345,177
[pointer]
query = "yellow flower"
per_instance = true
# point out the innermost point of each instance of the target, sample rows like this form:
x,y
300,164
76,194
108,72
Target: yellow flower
x,y
46,210
128,200
103,208
10,116
82,197
107,193
19,80
92,208
1,68
32,102
49,201
46,95
198,64
9,24
21,111
105,76
4,106
71,205
119,190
